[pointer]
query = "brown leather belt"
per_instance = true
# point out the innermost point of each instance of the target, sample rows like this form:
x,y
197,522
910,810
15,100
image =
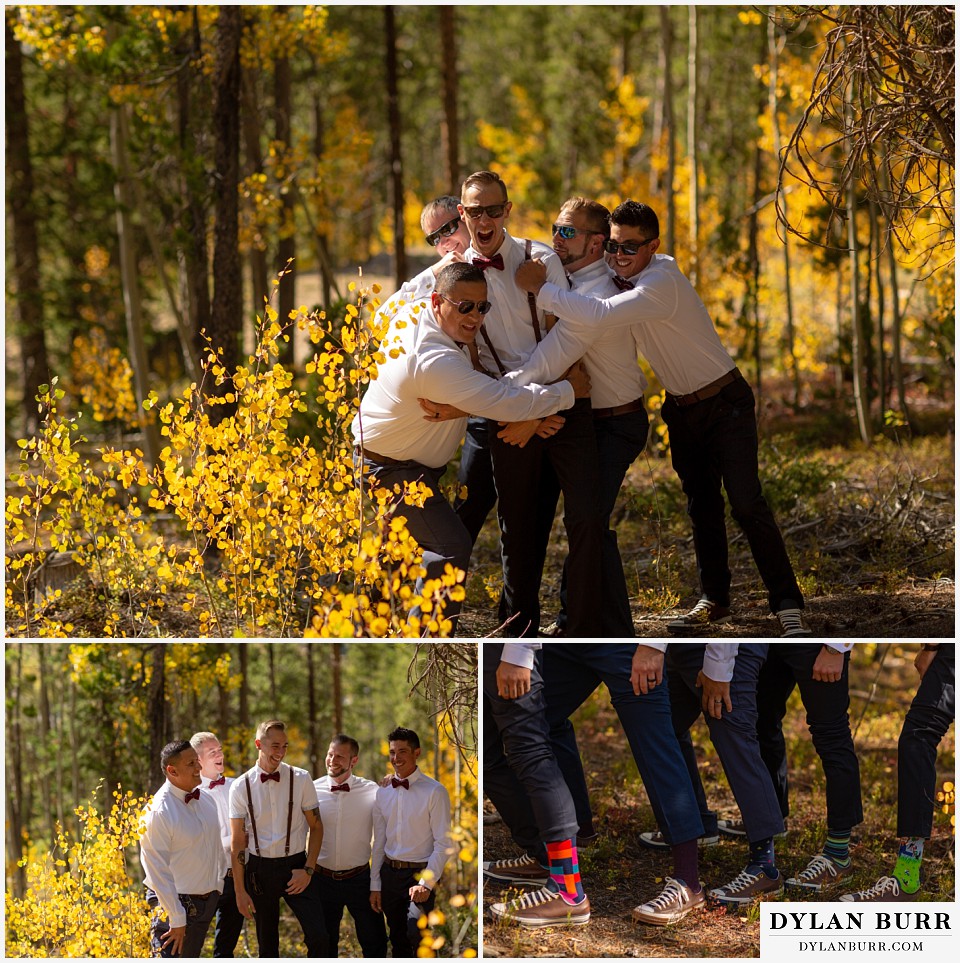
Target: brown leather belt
x,y
379,459
626,409
342,873
708,391
401,864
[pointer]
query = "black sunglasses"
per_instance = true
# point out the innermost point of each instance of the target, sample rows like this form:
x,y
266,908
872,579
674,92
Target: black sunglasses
x,y
628,247
491,210
466,307
445,230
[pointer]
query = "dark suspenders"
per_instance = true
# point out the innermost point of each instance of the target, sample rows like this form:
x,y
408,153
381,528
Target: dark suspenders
x,y
253,821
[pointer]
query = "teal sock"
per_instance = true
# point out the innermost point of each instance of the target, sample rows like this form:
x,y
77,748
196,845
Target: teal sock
x,y
837,847
907,870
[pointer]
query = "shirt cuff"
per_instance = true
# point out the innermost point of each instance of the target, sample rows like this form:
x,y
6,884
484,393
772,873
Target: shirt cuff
x,y
719,660
519,653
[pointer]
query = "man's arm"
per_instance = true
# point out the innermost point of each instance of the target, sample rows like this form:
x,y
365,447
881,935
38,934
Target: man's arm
x,y
828,666
376,858
513,672
299,878
155,849
439,809
238,847
714,678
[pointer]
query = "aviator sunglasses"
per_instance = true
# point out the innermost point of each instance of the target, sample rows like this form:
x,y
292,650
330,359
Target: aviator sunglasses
x,y
445,230
628,247
466,307
568,232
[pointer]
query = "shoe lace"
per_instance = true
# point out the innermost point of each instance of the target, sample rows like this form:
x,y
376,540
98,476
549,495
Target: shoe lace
x,y
818,866
886,884
791,619
537,898
516,862
672,893
745,880
700,612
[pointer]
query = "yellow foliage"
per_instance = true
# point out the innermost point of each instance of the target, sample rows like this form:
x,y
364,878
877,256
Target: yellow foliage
x,y
80,899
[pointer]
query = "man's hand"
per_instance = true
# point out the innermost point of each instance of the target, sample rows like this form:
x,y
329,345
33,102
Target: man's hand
x,y
245,904
922,662
173,939
646,673
375,903
531,275
299,881
715,696
829,665
519,432
550,426
580,380
451,257
438,411
419,894
513,681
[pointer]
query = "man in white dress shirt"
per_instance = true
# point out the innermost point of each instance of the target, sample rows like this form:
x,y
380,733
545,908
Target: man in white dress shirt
x,y
411,843
182,856
709,409
229,922
272,806
398,445
616,389
511,333
343,867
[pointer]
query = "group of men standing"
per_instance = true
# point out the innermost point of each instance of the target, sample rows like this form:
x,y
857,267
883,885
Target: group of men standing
x,y
233,848
529,354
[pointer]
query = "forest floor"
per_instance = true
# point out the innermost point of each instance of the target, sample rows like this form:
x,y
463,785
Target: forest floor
x,y
619,874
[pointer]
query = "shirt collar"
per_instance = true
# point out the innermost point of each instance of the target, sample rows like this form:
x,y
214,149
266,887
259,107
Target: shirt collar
x,y
593,270
175,791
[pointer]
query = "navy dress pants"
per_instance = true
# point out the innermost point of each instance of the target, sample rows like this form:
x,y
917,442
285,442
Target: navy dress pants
x,y
352,894
929,717
734,735
229,922
401,911
476,473
571,673
789,665
521,776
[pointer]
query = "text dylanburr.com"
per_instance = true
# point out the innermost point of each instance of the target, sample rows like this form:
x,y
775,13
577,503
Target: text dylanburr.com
x,y
796,931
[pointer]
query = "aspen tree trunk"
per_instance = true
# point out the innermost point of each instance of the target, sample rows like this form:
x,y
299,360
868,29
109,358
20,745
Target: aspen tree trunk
x,y
396,160
243,694
287,244
314,741
669,131
336,673
15,808
853,246
129,273
34,367
156,716
876,261
259,283
692,54
450,130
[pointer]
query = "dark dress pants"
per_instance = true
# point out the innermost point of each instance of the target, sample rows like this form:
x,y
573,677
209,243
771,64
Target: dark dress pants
x,y
229,921
401,912
273,876
354,894
929,717
572,452
571,673
199,914
734,735
476,473
521,776
620,440
713,443
789,665
435,526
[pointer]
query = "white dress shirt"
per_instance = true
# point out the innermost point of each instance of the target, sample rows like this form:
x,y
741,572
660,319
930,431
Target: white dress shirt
x,y
670,324
509,324
520,653
416,289
270,806
221,796
412,825
180,849
427,363
347,822
611,361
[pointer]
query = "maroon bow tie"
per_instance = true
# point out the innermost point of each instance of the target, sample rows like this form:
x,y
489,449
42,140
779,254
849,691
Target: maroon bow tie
x,y
275,776
622,283
397,783
217,782
489,262
192,795
339,787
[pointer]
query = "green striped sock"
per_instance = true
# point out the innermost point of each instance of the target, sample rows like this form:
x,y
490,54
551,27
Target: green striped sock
x,y
837,847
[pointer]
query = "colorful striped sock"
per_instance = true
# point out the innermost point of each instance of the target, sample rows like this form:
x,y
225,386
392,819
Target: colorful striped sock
x,y
837,847
907,870
565,870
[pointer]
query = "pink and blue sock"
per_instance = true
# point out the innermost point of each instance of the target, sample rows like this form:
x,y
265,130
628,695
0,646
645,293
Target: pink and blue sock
x,y
565,870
